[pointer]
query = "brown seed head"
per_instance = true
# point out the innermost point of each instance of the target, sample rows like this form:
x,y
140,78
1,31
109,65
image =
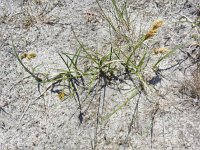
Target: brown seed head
x,y
160,50
157,24
61,95
150,34
31,55
154,29
23,55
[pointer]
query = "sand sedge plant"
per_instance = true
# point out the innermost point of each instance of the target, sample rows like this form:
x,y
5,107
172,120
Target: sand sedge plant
x,y
104,69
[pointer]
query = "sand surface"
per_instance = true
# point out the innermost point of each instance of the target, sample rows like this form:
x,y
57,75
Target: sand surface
x,y
28,122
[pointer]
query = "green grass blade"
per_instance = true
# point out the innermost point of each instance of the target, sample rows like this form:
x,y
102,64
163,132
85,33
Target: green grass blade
x,y
140,64
104,118
25,68
155,66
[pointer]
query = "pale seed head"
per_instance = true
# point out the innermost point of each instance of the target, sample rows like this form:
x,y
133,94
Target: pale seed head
x,y
61,95
24,55
150,34
157,24
160,50
31,56
153,30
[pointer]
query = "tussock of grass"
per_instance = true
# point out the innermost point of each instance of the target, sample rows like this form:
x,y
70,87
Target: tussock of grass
x,y
128,59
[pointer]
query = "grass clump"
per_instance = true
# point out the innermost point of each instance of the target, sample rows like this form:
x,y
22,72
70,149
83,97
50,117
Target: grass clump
x,y
130,59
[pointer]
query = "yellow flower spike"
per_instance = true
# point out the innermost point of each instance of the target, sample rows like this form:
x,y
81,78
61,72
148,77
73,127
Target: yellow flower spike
x,y
23,55
153,30
61,96
157,24
160,50
31,56
150,34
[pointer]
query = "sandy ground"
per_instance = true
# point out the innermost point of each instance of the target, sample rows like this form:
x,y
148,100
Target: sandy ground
x,y
29,122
